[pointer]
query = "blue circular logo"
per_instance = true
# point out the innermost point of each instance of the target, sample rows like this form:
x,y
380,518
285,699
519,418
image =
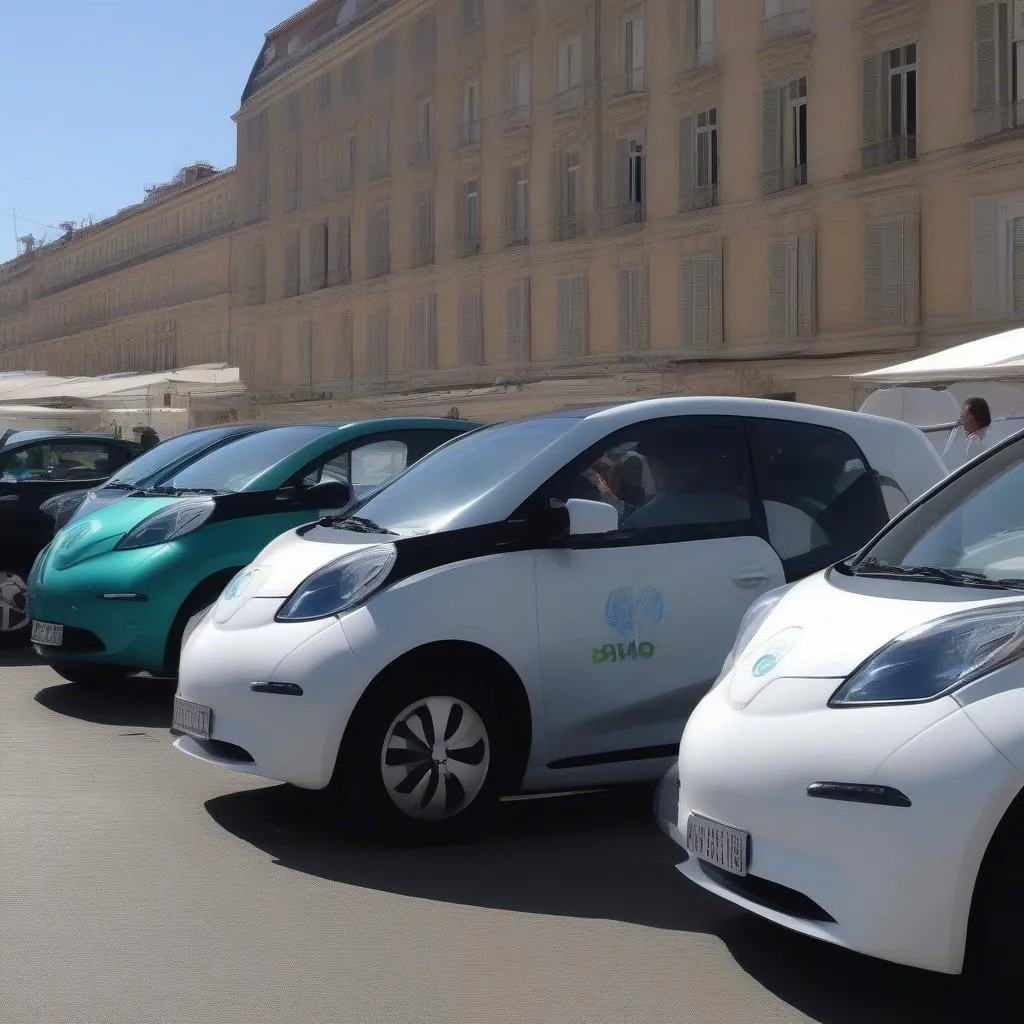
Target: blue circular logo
x,y
764,665
625,608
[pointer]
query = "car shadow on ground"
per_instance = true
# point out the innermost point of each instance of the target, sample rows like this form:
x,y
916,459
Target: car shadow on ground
x,y
596,855
143,703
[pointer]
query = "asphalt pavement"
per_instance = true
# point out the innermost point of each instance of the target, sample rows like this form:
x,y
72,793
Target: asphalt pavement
x,y
139,885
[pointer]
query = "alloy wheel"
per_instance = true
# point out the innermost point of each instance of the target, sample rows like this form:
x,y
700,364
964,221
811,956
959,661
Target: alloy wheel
x,y
13,602
435,758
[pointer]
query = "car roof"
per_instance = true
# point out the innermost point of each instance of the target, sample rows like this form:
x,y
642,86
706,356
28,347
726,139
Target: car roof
x,y
61,435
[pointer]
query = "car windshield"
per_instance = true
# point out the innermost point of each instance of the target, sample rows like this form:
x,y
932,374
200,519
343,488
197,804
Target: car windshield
x,y
456,475
166,454
970,532
233,466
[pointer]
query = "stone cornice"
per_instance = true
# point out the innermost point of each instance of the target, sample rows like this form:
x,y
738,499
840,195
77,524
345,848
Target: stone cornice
x,y
884,22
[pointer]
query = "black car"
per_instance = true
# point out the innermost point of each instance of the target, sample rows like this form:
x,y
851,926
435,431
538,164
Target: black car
x,y
35,467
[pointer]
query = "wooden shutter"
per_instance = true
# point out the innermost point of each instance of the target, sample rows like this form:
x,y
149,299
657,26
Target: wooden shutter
x,y
559,190
716,299
625,300
687,266
687,172
344,349
580,313
985,257
985,92
872,124
517,322
873,316
564,312
779,263
621,199
910,239
317,255
291,268
702,300
806,299
771,149
471,324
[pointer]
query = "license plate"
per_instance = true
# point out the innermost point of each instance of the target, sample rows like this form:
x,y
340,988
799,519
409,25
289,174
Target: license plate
x,y
48,634
193,719
721,845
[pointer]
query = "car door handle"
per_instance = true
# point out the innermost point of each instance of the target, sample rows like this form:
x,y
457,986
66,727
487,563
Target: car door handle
x,y
750,576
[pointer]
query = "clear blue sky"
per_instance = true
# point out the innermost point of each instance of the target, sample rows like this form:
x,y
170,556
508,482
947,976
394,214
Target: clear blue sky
x,y
104,97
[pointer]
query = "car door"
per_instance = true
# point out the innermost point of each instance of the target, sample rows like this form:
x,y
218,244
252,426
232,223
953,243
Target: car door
x,y
634,625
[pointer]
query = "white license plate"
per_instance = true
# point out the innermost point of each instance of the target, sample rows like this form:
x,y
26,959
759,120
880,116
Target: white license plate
x,y
721,845
49,634
193,719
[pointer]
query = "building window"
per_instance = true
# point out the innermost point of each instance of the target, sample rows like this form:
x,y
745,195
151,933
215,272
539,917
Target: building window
x,y
630,181
572,315
343,349
257,193
307,352
782,18
425,36
998,93
997,256
422,350
517,205
568,195
292,110
700,300
698,33
471,15
377,343
256,131
322,91
423,147
634,311
292,181
698,160
517,88
467,206
632,58
791,297
378,241
341,251
784,136
471,327
517,322
349,84
318,256
889,106
325,176
347,162
291,266
380,147
469,123
570,73
383,58
423,229
256,275
892,263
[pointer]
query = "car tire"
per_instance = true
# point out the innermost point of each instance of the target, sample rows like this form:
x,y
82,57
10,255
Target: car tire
x,y
88,675
14,619
394,784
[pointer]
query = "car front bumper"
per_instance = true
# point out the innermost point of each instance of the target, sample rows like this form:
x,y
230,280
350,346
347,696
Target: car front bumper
x,y
285,736
894,882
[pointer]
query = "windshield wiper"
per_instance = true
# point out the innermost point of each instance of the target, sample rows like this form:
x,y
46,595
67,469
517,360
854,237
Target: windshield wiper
x,y
118,486
357,524
878,569
174,491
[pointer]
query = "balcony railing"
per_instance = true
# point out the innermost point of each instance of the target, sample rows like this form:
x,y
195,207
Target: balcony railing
x,y
632,82
468,246
889,151
378,266
700,197
569,226
631,212
786,24
517,234
421,152
469,134
423,255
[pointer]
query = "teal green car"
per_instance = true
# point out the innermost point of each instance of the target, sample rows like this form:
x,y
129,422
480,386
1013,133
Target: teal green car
x,y
113,593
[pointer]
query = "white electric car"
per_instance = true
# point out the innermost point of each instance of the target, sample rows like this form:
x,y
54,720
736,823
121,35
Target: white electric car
x,y
535,607
857,771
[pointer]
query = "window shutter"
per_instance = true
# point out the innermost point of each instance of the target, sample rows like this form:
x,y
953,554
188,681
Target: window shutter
x,y
343,352
985,257
910,238
716,306
892,273
687,149
987,113
871,111
625,298
637,41
687,266
771,155
778,288
559,186
1018,265
580,310
511,187
688,32
873,275
621,201
806,312
702,303
471,338
564,334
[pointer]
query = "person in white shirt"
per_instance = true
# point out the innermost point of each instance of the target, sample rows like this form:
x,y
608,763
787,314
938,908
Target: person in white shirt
x,y
968,439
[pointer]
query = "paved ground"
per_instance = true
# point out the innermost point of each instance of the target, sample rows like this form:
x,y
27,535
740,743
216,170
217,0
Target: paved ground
x,y
137,885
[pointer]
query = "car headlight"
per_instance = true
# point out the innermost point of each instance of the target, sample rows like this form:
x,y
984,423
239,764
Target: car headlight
x,y
339,586
170,523
749,625
931,661
62,506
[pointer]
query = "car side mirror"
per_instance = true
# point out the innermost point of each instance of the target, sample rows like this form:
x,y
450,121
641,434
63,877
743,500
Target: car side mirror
x,y
327,494
587,518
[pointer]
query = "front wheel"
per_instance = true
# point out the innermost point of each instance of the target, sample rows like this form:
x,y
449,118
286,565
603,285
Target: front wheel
x,y
14,619
424,757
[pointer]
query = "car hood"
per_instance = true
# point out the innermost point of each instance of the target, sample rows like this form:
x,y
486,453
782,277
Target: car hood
x,y
287,560
99,530
828,624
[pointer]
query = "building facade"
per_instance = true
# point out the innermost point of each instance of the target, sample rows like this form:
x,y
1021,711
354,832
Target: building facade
x,y
510,205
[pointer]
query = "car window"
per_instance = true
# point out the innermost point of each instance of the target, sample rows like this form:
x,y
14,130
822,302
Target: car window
x,y
974,523
822,501
169,452
681,472
365,468
48,461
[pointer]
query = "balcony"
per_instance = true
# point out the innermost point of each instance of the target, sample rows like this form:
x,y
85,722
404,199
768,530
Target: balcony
x,y
423,255
571,99
631,212
516,235
378,266
468,246
631,82
889,151
518,117
469,134
421,152
568,227
700,197
789,23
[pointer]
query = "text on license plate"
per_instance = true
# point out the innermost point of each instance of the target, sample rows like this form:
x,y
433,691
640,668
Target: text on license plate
x,y
47,633
721,845
190,718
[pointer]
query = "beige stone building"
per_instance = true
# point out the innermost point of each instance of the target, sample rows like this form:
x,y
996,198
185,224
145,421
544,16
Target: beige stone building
x,y
509,205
